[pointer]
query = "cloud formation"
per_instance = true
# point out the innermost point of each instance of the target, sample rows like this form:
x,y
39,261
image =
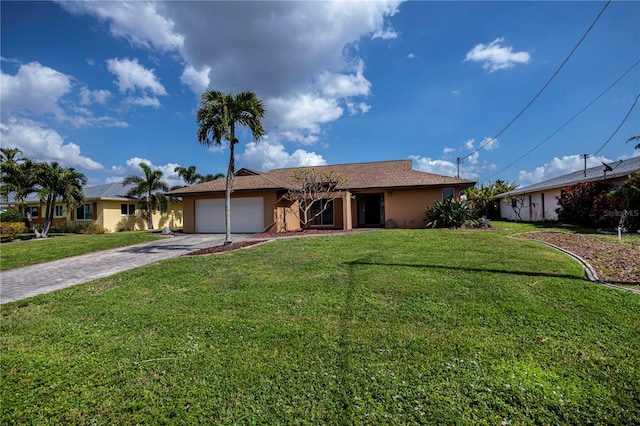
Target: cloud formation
x,y
557,167
494,56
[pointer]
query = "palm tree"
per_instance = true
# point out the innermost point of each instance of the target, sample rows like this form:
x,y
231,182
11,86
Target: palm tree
x,y
58,183
148,189
209,177
217,117
635,138
189,174
17,175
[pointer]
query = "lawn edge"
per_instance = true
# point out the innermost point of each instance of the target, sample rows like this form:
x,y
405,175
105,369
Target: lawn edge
x,y
589,272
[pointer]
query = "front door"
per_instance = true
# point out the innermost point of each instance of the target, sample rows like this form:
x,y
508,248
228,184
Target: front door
x,y
371,210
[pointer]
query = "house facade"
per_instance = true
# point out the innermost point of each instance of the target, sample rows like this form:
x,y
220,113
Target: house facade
x,y
538,202
108,207
378,194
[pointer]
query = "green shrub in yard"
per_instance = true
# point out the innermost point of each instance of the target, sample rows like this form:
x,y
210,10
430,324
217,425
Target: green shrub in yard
x,y
450,214
10,216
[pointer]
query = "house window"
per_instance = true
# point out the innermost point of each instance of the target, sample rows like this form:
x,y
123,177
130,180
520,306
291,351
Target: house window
x,y
33,210
59,211
84,212
542,202
514,203
326,217
128,209
447,194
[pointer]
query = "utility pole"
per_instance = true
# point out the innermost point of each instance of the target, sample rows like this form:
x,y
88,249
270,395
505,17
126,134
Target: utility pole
x,y
585,163
458,161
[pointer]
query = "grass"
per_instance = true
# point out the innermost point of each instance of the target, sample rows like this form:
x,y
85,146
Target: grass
x,y
387,327
31,252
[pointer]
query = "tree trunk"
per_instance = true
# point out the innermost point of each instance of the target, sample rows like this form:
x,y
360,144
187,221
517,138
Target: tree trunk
x,y
227,193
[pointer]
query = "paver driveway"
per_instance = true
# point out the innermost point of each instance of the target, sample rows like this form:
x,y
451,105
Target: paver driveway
x,y
20,283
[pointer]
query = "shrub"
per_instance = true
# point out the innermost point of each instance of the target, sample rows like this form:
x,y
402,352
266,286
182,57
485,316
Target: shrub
x,y
577,204
92,228
450,214
10,229
11,216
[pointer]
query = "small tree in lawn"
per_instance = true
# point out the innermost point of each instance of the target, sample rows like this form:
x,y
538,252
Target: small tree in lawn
x,y
516,202
313,191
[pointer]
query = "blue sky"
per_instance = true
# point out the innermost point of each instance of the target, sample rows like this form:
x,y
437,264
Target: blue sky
x,y
103,86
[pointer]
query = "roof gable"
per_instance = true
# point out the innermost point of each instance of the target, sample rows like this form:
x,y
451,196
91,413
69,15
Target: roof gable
x,y
374,175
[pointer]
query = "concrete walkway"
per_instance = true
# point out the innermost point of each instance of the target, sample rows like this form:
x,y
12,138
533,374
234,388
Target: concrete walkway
x,y
20,283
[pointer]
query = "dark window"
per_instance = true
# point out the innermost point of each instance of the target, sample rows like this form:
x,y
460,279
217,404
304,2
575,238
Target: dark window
x,y
447,194
326,217
128,209
59,212
85,212
32,210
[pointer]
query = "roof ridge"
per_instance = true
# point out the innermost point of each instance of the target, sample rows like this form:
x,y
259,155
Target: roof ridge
x,y
343,164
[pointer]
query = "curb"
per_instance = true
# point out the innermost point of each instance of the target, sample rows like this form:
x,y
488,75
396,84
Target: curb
x,y
588,269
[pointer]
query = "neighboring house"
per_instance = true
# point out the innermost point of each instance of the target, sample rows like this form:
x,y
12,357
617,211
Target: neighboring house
x,y
106,205
539,202
387,193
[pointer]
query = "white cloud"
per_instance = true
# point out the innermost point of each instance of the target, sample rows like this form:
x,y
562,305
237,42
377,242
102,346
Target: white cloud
x,y
456,92
265,155
35,89
469,144
411,56
88,97
490,144
299,118
43,144
142,101
557,167
132,76
448,150
385,34
359,108
439,167
336,85
494,56
198,81
139,22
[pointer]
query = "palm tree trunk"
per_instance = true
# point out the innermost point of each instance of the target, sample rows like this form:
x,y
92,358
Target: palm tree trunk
x,y
227,193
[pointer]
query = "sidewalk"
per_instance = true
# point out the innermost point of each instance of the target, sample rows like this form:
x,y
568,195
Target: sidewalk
x,y
20,283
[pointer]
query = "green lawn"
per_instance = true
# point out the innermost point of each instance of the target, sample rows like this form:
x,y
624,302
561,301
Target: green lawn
x,y
31,252
385,327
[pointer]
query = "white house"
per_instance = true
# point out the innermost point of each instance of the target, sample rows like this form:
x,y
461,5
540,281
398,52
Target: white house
x,y
538,202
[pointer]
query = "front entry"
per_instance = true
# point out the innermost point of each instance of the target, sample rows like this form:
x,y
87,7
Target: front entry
x,y
371,210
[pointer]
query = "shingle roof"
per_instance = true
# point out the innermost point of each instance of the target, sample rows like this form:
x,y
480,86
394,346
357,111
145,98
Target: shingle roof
x,y
382,174
99,192
620,168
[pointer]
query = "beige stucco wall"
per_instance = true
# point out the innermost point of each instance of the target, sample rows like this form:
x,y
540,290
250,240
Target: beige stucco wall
x,y
406,207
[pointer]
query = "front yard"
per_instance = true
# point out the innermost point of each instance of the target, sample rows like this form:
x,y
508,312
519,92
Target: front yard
x,y
384,327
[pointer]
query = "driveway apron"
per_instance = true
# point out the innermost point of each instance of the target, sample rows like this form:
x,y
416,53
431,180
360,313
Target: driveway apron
x,y
20,283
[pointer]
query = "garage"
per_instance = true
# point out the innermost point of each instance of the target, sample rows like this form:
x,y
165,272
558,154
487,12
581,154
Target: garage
x,y
247,215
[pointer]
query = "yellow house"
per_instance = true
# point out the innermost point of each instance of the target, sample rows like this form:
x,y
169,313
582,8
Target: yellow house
x,y
108,207
379,194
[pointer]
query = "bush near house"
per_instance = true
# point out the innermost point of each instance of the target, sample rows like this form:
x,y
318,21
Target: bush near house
x,y
450,214
598,204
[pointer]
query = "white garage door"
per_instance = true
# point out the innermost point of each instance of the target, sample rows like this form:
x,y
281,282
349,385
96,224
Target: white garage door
x,y
247,215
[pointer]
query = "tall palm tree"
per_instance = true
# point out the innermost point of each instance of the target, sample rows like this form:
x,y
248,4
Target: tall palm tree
x,y
58,183
217,118
148,189
188,175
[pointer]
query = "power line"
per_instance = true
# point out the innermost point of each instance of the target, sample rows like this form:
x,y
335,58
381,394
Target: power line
x,y
568,121
543,87
619,126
